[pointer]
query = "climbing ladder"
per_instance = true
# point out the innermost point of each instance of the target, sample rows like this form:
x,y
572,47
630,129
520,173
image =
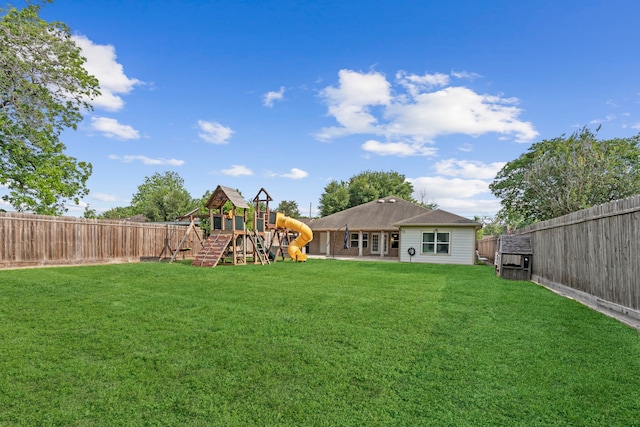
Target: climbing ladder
x,y
258,247
212,250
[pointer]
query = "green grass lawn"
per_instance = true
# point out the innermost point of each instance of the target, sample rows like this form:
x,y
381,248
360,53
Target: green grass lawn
x,y
322,343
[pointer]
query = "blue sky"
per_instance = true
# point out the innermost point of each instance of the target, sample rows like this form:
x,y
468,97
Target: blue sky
x,y
291,95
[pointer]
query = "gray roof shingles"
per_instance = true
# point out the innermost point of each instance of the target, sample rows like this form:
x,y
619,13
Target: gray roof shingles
x,y
515,244
386,213
438,217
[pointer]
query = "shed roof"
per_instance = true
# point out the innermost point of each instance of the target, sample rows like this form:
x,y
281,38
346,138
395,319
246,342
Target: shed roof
x,y
438,217
220,196
379,214
515,244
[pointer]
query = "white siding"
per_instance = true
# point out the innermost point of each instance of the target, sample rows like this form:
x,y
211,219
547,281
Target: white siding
x,y
463,245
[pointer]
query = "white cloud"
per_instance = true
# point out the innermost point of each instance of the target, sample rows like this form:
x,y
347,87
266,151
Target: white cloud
x,y
439,187
76,209
214,132
457,110
271,97
468,168
147,160
467,148
102,64
112,129
415,84
363,103
608,118
465,75
237,170
350,103
465,197
400,149
5,205
295,173
103,197
470,207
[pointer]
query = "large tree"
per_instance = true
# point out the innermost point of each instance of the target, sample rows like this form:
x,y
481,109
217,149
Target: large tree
x,y
289,208
362,188
162,197
44,88
335,198
565,174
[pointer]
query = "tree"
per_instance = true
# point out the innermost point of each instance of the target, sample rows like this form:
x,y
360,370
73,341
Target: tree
x,y
119,212
335,198
562,175
162,197
425,201
362,188
44,88
491,226
289,208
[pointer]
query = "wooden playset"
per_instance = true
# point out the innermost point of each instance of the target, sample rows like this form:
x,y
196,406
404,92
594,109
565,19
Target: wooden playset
x,y
235,240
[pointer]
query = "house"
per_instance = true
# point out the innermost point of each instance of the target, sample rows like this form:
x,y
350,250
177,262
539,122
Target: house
x,y
438,237
389,227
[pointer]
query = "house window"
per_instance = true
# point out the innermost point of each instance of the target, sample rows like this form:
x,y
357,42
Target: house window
x,y
395,240
365,240
354,240
436,243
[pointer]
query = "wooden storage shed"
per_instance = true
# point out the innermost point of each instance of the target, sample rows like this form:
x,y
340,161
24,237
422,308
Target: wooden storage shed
x,y
514,257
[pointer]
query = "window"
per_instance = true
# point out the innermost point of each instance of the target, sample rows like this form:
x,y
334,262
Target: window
x,y
395,240
365,240
354,240
436,243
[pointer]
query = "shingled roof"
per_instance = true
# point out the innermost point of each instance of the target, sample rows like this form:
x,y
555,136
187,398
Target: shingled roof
x,y
437,217
221,194
379,214
515,244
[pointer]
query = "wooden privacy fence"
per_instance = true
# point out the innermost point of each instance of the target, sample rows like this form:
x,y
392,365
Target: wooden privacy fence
x,y
593,255
28,240
487,247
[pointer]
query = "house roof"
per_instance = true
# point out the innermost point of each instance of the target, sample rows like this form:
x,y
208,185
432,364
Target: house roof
x,y
515,244
221,194
437,217
379,214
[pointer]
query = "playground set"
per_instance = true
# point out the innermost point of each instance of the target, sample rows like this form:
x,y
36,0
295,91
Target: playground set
x,y
230,241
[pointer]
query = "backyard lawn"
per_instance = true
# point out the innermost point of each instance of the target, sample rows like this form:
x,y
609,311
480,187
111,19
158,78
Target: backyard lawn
x,y
321,343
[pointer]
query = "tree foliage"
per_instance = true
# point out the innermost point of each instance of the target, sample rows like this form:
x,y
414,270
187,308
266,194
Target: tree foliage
x,y
565,174
289,208
119,212
335,198
162,197
44,88
491,226
362,188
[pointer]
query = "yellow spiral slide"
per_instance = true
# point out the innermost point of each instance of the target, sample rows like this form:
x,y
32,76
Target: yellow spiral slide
x,y
306,235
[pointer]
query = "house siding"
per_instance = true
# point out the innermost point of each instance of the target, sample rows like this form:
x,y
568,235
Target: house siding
x,y
463,241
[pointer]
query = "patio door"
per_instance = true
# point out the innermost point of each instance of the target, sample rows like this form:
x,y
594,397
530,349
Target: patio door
x,y
378,242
